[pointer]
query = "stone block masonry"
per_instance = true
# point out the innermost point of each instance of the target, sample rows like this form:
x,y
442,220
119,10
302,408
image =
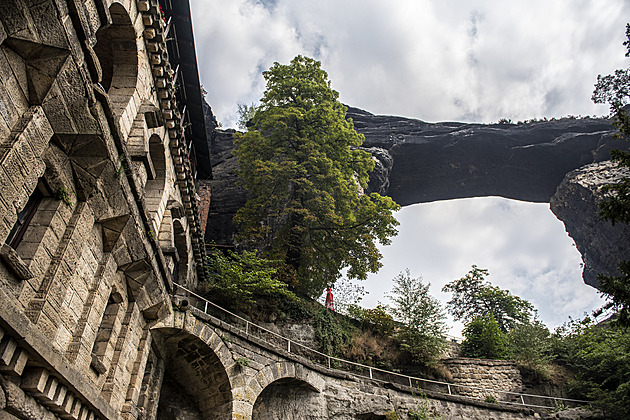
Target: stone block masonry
x,y
480,376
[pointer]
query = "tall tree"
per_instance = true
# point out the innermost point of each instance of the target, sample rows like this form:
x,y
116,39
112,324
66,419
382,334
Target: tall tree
x,y
474,297
300,162
614,89
424,328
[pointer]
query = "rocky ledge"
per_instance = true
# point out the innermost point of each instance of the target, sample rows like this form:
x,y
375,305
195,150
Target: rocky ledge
x,y
576,203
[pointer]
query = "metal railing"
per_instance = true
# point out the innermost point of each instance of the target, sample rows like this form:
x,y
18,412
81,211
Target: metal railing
x,y
369,372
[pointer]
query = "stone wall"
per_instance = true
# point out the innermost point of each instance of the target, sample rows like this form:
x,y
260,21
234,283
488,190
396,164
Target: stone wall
x,y
484,375
97,211
270,382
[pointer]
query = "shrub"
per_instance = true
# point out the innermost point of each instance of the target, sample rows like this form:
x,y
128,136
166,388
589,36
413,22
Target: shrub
x,y
238,278
484,339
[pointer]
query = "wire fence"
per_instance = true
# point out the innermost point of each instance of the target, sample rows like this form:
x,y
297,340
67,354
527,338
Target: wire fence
x,y
277,341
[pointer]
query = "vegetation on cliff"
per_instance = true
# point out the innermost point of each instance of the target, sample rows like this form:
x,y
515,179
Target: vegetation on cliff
x,y
614,89
300,163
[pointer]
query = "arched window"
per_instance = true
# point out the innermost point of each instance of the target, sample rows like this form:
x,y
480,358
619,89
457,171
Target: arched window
x,y
118,55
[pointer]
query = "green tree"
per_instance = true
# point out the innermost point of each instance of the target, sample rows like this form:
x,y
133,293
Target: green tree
x,y
422,316
301,164
483,339
240,278
614,89
245,114
474,297
530,344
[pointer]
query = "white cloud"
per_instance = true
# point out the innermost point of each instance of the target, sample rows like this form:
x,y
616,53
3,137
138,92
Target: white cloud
x,y
523,245
430,59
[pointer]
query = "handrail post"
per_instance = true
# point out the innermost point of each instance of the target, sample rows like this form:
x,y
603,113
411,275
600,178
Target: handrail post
x,y
205,309
328,362
522,400
246,327
449,389
410,385
370,373
289,345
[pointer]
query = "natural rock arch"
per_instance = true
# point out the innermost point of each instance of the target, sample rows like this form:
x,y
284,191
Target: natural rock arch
x,y
419,162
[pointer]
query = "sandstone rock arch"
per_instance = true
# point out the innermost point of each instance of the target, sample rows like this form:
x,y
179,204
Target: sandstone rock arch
x,y
420,162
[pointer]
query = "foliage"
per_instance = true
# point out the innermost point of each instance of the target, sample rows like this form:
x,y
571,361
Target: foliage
x,y
300,163
64,195
241,277
530,344
242,361
424,329
392,415
379,320
599,354
483,339
474,297
373,349
333,332
615,90
490,399
245,115
423,410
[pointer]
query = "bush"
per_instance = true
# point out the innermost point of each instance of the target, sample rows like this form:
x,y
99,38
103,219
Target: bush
x,y
483,339
239,278
378,320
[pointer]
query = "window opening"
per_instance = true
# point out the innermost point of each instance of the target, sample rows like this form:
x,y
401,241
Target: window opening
x,y
25,216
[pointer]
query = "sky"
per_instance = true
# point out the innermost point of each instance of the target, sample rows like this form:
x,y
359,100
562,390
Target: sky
x,y
438,60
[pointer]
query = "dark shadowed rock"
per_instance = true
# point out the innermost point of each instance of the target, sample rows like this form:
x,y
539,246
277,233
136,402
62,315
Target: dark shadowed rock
x,y
444,161
576,203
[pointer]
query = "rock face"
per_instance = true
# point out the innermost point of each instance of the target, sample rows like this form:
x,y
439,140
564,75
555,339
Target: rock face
x,y
576,201
429,162
418,162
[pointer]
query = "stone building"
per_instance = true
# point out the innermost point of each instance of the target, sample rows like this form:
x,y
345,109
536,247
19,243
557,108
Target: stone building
x,y
101,139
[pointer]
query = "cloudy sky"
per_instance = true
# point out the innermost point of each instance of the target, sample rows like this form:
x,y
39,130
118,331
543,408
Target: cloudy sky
x,y
438,60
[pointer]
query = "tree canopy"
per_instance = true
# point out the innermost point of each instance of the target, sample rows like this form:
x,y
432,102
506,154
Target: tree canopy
x,y
474,297
306,177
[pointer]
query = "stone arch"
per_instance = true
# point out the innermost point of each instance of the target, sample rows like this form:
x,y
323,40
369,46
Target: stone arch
x,y
198,362
138,141
280,385
117,53
154,190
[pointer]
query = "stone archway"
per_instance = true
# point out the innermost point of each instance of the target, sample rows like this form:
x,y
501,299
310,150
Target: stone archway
x,y
285,390
196,381
118,56
289,399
